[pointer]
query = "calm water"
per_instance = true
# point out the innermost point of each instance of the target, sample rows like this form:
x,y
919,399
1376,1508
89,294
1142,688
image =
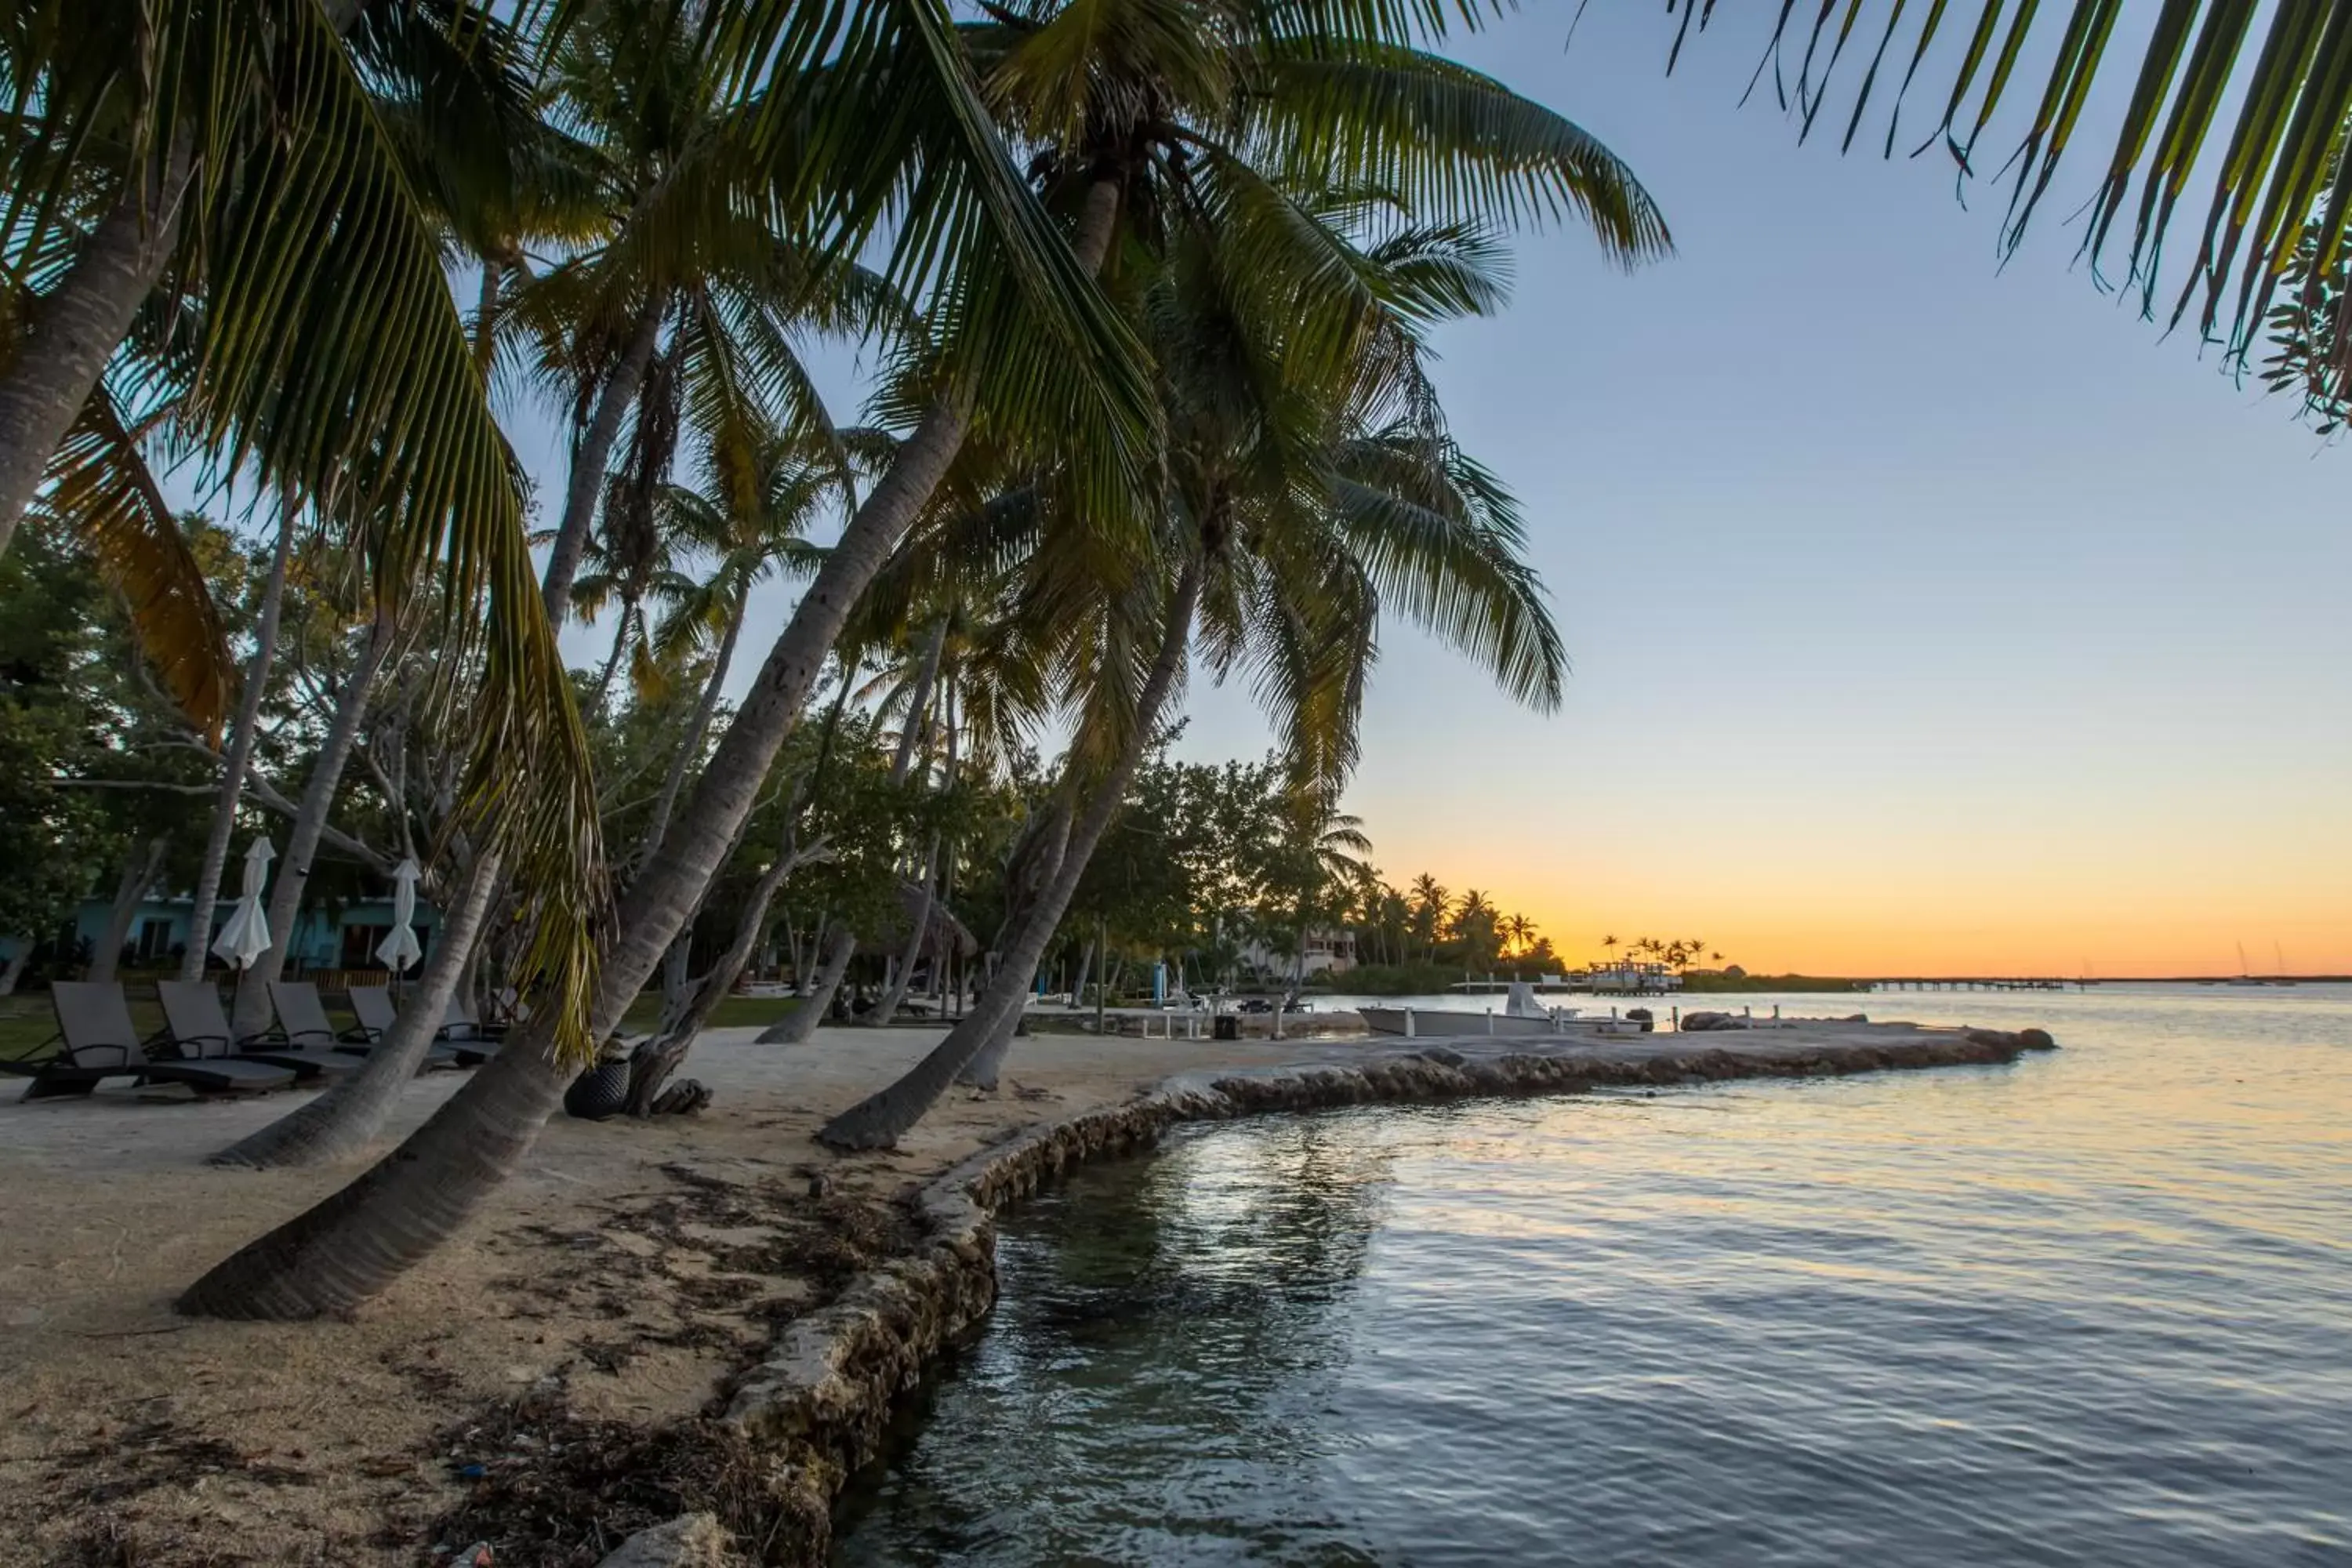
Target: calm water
x,y
2093,1307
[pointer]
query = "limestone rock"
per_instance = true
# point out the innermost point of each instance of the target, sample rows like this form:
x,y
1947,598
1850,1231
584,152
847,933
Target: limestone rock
x,y
1707,1023
689,1540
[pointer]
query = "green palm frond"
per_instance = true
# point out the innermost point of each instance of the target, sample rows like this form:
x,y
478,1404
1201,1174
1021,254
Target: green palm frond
x,y
2277,171
1444,547
1451,143
872,108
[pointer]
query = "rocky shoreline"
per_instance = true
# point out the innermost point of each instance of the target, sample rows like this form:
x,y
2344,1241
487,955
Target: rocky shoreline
x,y
815,1408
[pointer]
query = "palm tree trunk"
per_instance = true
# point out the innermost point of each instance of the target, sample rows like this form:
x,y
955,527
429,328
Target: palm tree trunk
x,y
691,747
240,753
336,1125
795,1026
652,1064
621,638
14,970
913,734
588,463
138,878
336,1254
346,1250
252,1009
894,995
981,1038
73,330
919,700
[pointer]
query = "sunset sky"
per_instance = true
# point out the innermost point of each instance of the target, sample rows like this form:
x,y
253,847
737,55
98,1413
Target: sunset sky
x,y
1927,615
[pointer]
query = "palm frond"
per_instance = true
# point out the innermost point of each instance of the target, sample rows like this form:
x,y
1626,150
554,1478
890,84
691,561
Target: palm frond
x,y
330,354
101,489
1452,144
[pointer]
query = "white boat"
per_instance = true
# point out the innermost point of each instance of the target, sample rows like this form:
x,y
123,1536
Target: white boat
x,y
1522,1015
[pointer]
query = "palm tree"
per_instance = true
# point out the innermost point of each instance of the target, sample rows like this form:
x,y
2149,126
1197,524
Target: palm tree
x,y
1430,900
688,295
761,494
1521,932
1291,515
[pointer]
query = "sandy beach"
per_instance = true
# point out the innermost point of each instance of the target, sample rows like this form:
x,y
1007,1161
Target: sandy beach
x,y
630,1268
552,1374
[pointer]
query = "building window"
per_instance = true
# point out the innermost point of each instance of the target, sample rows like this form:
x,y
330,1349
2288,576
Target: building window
x,y
360,943
154,939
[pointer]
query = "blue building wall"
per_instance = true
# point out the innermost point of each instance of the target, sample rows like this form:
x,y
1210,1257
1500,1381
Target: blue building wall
x,y
344,939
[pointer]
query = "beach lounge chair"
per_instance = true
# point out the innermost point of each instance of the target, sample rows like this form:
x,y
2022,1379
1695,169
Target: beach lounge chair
x,y
302,1020
96,1040
195,1025
373,1006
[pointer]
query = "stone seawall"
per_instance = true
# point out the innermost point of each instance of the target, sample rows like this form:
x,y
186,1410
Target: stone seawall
x,y
817,1407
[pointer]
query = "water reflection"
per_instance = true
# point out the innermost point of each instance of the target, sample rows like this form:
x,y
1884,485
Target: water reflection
x,y
2094,1308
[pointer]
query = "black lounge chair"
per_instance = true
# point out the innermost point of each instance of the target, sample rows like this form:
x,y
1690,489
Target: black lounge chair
x,y
96,1041
302,1020
372,1006
195,1026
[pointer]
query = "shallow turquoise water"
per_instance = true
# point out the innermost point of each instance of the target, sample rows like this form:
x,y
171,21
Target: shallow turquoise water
x,y
2093,1307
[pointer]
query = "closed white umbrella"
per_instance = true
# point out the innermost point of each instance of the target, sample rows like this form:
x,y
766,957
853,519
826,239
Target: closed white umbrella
x,y
246,936
399,949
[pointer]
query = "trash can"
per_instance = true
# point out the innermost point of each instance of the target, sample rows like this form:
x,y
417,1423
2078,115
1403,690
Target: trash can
x,y
1226,1027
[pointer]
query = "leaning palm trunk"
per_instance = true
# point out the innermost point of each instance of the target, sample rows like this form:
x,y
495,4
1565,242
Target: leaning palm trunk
x,y
894,994
252,1011
344,1250
621,638
914,735
881,1119
1035,866
72,330
651,1065
138,878
338,1124
588,463
239,760
795,1026
691,747
14,970
340,1253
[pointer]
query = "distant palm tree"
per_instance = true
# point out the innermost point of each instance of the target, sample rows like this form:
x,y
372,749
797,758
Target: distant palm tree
x,y
1609,945
752,518
1429,904
1521,931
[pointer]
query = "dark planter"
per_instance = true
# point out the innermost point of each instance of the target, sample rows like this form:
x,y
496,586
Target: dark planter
x,y
599,1092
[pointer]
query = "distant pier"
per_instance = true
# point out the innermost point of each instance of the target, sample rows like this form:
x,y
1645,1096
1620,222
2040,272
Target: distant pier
x,y
1979,982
